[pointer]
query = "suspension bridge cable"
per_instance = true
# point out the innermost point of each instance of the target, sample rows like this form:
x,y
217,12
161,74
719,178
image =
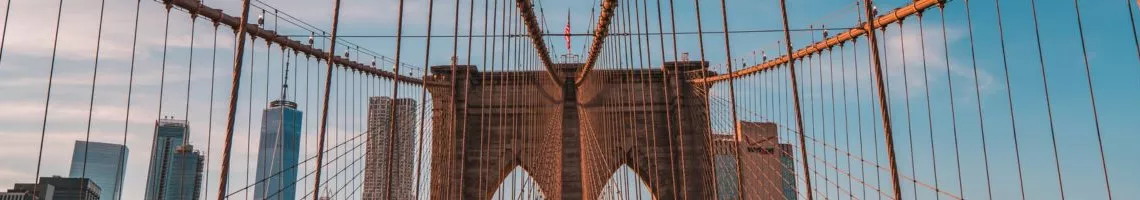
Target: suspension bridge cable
x,y
629,114
929,109
51,78
876,111
392,136
906,94
812,82
615,34
888,130
846,109
210,115
1092,98
239,50
646,86
978,98
677,89
91,100
1127,3
1009,98
249,109
886,64
953,113
732,94
423,98
4,33
130,82
483,122
668,99
303,162
859,111
834,117
796,100
162,82
325,107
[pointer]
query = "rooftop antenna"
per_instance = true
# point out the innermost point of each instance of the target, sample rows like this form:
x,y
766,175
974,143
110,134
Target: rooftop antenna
x,y
285,80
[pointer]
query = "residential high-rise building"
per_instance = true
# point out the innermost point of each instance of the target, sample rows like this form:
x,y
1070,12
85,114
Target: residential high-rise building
x,y
185,174
103,163
169,134
768,167
13,195
401,156
278,151
54,187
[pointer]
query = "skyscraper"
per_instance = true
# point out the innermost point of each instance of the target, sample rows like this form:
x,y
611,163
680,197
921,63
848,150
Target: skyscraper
x,y
278,151
377,156
103,163
54,187
169,134
768,171
185,174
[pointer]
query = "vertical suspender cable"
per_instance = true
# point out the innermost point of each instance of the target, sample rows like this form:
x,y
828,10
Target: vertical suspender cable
x,y
953,114
887,128
1092,99
423,99
909,120
1009,98
130,85
91,100
232,110
929,109
210,117
680,137
732,99
666,95
978,99
162,78
483,122
392,136
796,100
643,12
4,33
708,117
325,105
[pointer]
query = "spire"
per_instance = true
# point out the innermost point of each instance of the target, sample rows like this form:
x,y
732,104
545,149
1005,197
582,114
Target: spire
x,y
285,80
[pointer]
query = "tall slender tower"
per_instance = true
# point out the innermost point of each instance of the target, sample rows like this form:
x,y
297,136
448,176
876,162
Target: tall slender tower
x,y
402,160
169,134
278,149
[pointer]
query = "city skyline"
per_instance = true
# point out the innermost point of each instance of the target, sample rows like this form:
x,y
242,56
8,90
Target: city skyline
x,y
989,104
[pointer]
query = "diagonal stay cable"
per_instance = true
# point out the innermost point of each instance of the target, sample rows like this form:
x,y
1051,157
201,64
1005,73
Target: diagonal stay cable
x,y
526,10
600,33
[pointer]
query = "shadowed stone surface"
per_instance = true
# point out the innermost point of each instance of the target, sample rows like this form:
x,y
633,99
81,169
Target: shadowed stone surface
x,y
571,140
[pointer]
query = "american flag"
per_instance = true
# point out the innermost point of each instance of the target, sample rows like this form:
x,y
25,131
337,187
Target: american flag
x,y
567,30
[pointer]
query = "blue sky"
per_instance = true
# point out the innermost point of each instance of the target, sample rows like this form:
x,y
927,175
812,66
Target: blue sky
x,y
1111,53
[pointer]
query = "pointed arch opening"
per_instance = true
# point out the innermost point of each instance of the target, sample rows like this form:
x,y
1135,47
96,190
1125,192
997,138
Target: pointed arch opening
x,y
518,184
626,183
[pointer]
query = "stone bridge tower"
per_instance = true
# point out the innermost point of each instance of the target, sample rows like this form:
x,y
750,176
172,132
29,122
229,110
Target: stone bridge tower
x,y
483,129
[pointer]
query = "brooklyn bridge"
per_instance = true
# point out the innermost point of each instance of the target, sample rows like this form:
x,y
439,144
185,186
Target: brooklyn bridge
x,y
625,99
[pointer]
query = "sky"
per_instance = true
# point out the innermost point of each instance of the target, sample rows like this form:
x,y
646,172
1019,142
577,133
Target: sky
x,y
972,62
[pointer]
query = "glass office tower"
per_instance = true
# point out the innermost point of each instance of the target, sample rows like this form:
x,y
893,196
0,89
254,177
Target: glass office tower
x,y
103,163
185,174
169,134
278,151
